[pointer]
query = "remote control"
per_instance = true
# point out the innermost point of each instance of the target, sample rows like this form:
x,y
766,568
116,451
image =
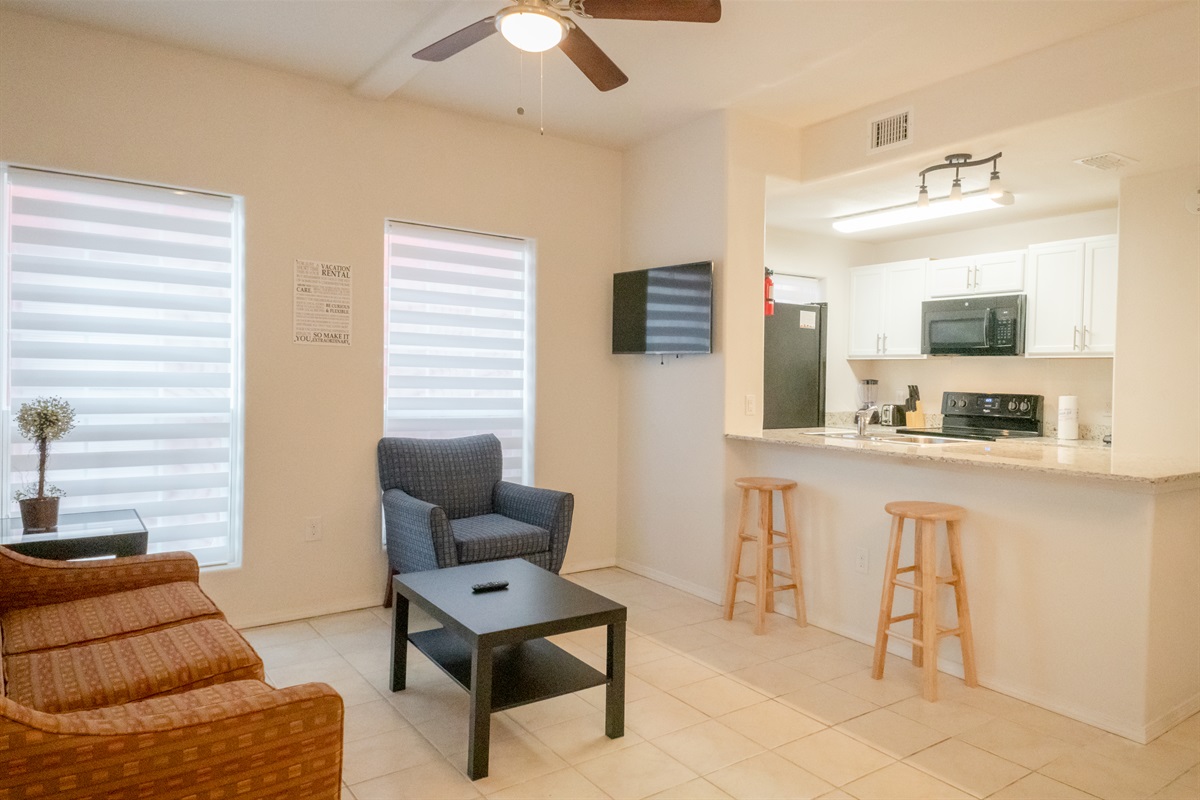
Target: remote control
x,y
493,586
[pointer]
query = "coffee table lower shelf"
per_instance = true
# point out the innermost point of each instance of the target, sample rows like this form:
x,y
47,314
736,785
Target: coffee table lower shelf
x,y
522,673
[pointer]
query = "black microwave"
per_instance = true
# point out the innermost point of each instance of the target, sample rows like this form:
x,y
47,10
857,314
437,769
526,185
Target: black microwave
x,y
974,326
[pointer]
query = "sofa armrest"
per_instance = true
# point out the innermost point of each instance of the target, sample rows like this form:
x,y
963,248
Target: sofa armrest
x,y
418,533
243,738
545,508
26,581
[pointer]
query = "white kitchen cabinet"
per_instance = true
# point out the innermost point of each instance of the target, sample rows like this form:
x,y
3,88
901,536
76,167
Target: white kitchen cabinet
x,y
885,309
1072,306
990,273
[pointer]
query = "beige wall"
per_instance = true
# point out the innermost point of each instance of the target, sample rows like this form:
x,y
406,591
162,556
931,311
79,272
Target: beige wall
x,y
1157,370
671,409
321,171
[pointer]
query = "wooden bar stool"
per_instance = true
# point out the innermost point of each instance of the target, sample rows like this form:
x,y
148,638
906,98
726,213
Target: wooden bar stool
x,y
766,544
926,633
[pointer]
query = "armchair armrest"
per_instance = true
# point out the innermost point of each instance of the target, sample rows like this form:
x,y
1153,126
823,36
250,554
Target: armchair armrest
x,y
418,533
26,581
242,738
545,508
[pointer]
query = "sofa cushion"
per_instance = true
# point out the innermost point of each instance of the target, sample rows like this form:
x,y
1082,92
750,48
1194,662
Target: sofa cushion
x,y
491,537
174,659
96,619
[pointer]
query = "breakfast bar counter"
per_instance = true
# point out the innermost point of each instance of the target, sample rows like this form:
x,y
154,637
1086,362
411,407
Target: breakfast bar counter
x,y
1091,460
1083,562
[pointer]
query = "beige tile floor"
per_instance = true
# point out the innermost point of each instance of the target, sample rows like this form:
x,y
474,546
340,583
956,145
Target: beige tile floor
x,y
713,711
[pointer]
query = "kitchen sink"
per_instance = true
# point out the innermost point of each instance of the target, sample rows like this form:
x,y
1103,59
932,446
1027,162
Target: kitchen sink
x,y
899,438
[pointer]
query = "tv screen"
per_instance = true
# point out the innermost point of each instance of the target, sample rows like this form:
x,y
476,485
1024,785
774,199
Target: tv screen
x,y
663,310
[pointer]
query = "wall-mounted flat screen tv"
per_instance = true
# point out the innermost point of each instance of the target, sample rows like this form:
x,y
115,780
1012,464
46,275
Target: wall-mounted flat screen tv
x,y
663,310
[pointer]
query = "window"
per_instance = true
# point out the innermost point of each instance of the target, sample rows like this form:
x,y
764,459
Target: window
x,y
798,289
458,338
125,300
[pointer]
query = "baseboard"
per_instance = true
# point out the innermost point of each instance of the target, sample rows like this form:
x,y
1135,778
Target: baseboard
x,y
586,566
1164,722
295,614
670,580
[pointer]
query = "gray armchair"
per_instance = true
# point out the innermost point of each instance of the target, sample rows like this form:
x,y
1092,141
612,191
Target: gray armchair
x,y
444,504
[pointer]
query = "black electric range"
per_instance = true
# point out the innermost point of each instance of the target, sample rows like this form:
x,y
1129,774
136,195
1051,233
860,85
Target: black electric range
x,y
987,416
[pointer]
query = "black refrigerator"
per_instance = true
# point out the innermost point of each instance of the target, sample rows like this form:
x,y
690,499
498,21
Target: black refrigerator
x,y
794,367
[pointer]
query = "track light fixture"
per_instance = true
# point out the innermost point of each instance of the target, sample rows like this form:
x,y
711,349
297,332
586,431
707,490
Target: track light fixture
x,y
957,162
957,202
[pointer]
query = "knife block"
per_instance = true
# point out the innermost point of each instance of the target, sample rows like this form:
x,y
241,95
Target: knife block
x,y
915,419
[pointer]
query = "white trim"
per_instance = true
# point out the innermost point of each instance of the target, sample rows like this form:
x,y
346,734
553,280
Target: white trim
x,y
670,580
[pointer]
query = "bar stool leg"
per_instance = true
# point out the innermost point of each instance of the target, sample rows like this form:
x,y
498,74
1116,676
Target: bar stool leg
x,y
917,607
763,579
966,638
929,638
888,598
793,536
735,557
769,531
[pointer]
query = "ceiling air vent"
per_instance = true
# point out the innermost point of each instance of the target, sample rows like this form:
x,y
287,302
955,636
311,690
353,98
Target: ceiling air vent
x,y
1106,161
889,131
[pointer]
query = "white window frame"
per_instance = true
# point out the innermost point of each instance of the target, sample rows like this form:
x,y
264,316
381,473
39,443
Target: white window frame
x,y
236,364
527,247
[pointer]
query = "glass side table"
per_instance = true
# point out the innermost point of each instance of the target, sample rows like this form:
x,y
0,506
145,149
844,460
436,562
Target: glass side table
x,y
86,534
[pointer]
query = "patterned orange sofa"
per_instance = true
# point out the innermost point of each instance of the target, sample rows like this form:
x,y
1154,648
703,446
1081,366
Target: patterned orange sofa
x,y
121,679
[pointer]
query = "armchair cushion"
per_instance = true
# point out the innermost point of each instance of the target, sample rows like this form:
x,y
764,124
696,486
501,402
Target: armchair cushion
x,y
491,537
96,619
130,668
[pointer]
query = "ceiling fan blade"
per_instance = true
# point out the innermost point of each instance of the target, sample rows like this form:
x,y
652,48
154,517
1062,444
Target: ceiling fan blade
x,y
458,41
665,10
591,60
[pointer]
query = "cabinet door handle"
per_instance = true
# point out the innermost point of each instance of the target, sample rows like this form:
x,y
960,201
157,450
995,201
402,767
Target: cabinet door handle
x,y
1083,339
877,350
974,273
884,343
1075,338
969,270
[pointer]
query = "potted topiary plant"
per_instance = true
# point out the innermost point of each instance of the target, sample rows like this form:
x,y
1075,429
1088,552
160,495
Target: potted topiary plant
x,y
42,421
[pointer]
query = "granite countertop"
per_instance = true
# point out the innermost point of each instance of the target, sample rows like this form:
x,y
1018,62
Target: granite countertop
x,y
1080,458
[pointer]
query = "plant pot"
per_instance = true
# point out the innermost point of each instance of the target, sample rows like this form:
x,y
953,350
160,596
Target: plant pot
x,y
39,514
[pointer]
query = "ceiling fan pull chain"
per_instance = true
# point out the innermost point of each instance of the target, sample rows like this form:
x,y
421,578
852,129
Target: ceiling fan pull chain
x,y
520,83
541,94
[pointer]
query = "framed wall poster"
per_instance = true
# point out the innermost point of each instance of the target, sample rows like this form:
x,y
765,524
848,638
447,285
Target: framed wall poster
x,y
321,307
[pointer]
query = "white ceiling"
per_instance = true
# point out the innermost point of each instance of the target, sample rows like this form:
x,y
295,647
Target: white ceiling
x,y
794,61
797,62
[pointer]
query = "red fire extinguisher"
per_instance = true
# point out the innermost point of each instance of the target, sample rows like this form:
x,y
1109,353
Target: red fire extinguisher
x,y
769,294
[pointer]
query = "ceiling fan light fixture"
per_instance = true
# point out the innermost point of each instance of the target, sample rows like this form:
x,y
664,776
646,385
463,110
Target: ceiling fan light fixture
x,y
531,28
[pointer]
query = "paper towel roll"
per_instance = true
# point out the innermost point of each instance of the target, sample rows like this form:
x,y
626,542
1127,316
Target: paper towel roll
x,y
1068,417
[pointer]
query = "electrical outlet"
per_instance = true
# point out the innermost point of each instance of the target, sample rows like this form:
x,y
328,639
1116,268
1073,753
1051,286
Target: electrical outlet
x,y
751,405
312,529
860,560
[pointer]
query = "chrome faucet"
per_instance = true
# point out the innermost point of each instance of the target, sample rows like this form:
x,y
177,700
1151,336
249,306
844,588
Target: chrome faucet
x,y
862,418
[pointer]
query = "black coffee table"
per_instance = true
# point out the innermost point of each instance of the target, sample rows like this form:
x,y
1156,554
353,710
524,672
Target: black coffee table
x,y
492,643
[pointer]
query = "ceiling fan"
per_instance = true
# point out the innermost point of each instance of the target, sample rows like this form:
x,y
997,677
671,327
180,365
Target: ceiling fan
x,y
537,25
